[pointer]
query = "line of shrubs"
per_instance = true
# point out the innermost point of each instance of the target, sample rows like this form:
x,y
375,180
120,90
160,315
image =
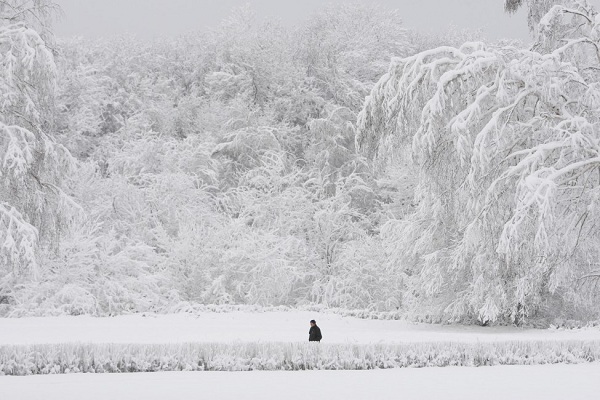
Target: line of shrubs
x,y
119,358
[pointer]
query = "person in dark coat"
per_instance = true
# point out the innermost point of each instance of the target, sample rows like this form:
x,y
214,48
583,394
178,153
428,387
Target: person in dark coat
x,y
314,333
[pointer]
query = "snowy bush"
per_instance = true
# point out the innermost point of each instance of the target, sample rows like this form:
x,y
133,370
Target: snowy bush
x,y
119,358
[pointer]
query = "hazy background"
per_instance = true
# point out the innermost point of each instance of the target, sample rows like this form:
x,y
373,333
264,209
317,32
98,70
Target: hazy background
x,y
149,18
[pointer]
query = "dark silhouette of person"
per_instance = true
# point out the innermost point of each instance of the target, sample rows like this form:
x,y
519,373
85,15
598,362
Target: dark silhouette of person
x,y
314,333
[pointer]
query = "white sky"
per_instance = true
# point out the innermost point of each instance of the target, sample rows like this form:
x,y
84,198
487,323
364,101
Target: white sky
x,y
149,18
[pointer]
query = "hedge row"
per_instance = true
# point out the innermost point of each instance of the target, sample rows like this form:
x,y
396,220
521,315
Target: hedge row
x,y
111,358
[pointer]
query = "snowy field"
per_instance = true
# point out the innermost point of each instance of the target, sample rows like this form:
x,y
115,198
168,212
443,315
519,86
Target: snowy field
x,y
573,382
260,327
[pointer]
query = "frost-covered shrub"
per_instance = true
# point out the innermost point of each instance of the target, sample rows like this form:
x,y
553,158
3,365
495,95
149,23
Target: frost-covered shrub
x,y
119,358
96,275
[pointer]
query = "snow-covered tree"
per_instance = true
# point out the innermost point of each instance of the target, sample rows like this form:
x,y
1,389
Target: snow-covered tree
x,y
505,142
537,9
344,49
34,209
253,59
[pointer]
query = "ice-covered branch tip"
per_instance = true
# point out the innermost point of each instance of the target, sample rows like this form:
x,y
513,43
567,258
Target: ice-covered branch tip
x,y
512,6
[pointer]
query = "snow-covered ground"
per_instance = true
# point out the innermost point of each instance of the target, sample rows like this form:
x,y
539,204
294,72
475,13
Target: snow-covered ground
x,y
548,382
558,381
259,327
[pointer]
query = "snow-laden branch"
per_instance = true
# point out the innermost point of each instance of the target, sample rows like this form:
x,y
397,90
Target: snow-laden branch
x,y
507,147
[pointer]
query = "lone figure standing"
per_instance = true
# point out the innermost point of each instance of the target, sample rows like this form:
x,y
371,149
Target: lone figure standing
x,y
314,333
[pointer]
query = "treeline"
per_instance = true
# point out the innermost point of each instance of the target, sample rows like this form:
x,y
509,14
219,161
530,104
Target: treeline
x,y
232,167
217,167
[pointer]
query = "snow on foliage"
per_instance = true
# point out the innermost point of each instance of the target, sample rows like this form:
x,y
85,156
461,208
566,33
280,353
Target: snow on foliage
x,y
120,358
506,145
34,209
220,168
227,167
